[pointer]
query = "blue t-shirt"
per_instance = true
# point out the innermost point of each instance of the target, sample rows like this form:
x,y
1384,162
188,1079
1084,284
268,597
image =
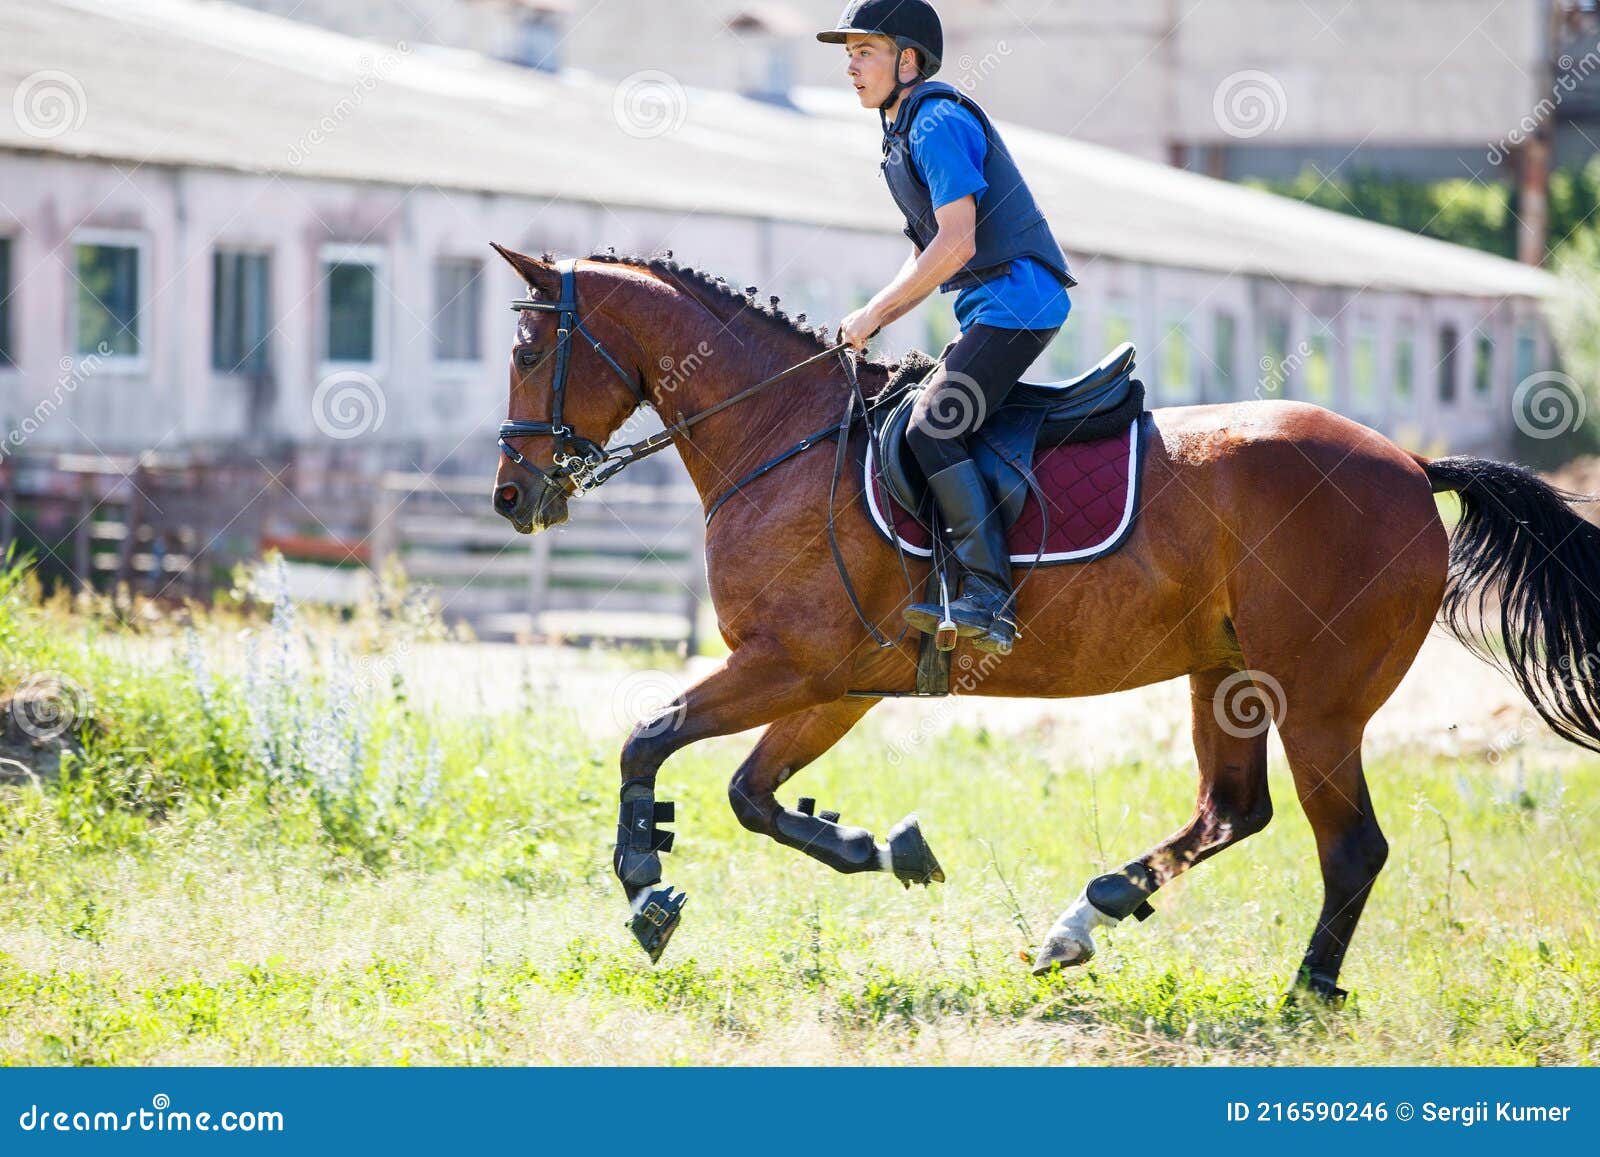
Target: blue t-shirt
x,y
949,154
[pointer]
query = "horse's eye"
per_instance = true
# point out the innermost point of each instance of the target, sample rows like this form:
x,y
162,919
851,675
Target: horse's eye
x,y
527,359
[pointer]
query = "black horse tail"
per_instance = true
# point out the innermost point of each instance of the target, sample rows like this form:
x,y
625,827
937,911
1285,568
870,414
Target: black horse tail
x,y
1521,544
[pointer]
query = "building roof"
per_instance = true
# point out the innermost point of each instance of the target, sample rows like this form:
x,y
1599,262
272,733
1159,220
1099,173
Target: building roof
x,y
194,83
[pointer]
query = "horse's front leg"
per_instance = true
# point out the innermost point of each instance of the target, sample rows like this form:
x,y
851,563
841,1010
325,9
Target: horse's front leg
x,y
757,684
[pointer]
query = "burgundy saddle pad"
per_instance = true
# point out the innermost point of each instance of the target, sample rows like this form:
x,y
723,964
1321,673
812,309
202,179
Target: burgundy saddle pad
x,y
1091,492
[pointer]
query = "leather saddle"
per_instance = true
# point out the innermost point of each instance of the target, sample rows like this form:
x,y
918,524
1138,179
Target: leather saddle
x,y
1094,405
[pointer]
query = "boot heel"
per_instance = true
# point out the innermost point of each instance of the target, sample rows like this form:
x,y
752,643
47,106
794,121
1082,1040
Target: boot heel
x,y
998,639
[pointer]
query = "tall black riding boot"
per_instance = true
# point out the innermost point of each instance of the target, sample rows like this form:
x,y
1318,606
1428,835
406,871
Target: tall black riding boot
x,y
972,523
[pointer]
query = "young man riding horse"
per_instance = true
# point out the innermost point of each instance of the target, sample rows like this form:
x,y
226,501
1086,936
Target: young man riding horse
x,y
977,230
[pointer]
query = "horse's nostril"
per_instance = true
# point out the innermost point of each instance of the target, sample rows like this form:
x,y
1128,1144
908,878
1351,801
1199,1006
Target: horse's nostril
x,y
505,499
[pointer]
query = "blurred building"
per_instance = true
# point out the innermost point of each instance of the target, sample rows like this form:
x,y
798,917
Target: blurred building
x,y
208,214
1493,90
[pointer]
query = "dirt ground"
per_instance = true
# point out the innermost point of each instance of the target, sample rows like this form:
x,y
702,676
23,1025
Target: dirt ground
x,y
1450,702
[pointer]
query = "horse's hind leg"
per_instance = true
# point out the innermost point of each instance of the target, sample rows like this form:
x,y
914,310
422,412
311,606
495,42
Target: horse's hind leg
x,y
1325,755
787,746
1229,723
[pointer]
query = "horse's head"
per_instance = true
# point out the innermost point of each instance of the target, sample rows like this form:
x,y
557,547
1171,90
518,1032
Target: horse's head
x,y
573,383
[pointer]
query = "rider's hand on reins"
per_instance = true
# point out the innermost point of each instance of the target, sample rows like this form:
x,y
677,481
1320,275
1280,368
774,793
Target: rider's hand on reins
x,y
858,328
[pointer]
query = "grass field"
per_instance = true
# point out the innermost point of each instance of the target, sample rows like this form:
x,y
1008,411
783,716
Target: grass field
x,y
252,843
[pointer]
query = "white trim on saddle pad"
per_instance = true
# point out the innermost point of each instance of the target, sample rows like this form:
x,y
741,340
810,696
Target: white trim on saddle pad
x,y
1083,553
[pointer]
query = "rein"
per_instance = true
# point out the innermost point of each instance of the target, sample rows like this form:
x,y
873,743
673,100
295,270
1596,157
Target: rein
x,y
588,464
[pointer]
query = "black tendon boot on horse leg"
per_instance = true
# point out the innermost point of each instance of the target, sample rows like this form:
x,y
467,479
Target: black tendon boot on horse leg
x,y
983,612
637,862
905,852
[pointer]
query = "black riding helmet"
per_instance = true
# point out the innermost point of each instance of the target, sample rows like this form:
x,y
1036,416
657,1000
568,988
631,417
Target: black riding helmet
x,y
909,23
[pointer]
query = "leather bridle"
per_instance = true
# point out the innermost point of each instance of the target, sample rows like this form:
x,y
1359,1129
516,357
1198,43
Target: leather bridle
x,y
582,460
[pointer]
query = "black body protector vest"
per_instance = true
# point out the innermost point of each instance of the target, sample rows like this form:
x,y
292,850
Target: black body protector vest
x,y
1010,224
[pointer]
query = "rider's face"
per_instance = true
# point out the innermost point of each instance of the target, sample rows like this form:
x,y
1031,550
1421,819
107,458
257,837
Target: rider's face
x,y
871,67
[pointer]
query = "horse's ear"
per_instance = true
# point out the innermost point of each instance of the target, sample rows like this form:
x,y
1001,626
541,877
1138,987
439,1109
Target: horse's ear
x,y
538,275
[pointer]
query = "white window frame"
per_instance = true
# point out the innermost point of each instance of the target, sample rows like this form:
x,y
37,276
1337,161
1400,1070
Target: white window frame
x,y
375,256
460,367
118,239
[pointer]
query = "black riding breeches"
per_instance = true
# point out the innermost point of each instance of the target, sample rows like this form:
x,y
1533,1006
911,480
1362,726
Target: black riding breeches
x,y
973,381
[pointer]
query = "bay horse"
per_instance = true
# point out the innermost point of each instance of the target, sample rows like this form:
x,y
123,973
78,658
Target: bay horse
x,y
1285,559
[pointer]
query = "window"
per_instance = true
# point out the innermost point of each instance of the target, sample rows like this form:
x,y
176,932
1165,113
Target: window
x,y
1319,370
457,310
1065,358
1364,369
1526,354
1449,339
8,355
538,40
1118,324
941,326
1275,356
766,50
241,312
106,302
1405,368
350,300
1177,363
1483,367
1224,356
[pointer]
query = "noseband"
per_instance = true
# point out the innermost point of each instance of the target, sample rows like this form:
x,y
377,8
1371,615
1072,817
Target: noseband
x,y
581,459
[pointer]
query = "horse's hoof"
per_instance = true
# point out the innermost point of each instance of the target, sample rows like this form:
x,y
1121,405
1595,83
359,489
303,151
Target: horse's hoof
x,y
1061,952
656,920
910,856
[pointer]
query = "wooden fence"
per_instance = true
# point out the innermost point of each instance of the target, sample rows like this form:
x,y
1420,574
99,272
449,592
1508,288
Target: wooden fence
x,y
629,564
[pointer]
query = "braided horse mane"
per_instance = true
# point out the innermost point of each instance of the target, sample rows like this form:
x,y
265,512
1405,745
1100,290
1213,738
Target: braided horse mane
x,y
716,289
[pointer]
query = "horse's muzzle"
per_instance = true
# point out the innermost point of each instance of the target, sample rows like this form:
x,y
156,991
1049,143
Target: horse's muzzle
x,y
527,513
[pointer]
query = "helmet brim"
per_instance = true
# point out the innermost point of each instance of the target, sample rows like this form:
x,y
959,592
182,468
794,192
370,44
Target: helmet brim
x,y
837,35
